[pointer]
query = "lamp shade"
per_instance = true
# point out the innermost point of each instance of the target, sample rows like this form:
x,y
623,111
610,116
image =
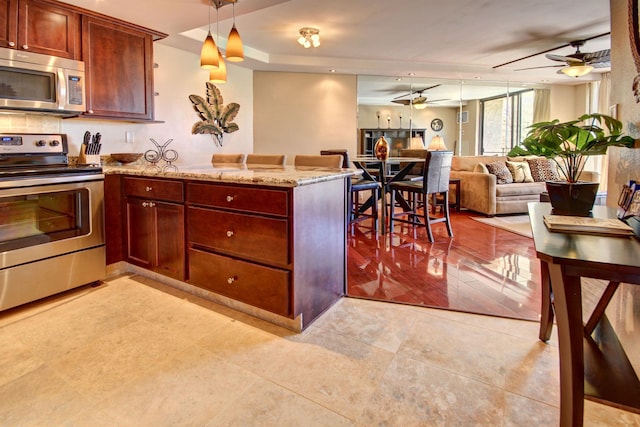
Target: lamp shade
x,y
209,54
420,106
437,144
220,74
416,143
235,50
578,70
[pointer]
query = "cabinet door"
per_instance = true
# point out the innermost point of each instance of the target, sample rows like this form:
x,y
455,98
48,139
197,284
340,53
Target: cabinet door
x,y
141,231
8,23
169,244
119,70
48,29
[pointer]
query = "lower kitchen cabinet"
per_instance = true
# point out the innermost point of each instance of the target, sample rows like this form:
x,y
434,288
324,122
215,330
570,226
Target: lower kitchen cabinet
x,y
154,229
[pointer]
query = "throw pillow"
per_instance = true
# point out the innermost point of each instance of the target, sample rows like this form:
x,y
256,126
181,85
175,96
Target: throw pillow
x,y
481,168
499,169
520,171
543,170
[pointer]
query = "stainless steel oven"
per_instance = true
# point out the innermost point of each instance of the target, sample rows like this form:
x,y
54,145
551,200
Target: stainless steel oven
x,y
51,220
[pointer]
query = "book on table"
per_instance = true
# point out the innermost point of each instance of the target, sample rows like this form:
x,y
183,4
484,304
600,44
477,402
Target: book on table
x,y
587,225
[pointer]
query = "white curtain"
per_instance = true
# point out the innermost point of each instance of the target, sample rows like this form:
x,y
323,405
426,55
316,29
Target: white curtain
x,y
541,105
604,91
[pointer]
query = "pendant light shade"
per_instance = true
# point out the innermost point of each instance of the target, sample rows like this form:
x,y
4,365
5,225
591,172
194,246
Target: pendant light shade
x,y
209,58
235,50
219,75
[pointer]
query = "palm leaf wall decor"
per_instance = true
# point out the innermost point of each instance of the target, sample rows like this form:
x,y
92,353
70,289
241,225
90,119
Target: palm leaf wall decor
x,y
216,118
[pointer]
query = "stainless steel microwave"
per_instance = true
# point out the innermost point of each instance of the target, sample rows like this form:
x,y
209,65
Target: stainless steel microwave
x,y
35,82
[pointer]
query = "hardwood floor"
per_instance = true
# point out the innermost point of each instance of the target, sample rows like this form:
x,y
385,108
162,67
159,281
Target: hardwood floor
x,y
482,269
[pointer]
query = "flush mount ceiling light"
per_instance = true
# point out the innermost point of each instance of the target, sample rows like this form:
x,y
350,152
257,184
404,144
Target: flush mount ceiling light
x,y
309,37
577,70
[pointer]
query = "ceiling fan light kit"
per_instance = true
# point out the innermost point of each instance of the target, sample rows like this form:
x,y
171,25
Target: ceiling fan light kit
x,y
577,70
309,37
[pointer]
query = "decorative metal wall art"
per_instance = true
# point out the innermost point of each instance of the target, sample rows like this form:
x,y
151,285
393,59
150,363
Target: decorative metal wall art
x,y
217,118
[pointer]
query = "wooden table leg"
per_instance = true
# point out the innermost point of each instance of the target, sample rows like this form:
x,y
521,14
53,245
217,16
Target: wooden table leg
x,y
568,307
546,306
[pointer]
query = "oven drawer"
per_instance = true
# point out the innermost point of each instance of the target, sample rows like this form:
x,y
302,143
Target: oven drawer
x,y
259,286
156,189
246,199
248,236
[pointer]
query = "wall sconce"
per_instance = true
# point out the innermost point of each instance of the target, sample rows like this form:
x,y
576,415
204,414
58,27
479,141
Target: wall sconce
x,y
309,37
437,144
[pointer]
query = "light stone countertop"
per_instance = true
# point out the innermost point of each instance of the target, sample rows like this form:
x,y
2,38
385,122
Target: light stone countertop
x,y
287,176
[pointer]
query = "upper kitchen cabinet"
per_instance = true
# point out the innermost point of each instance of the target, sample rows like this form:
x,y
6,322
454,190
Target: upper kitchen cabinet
x,y
119,70
40,26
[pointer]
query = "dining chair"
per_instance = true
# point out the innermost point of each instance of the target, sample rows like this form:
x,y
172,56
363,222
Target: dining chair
x,y
227,158
333,161
357,185
266,159
437,169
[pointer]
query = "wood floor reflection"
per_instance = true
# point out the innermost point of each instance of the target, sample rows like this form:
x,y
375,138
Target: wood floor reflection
x,y
482,269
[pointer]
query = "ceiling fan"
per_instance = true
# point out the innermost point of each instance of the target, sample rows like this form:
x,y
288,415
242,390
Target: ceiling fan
x,y
575,65
419,102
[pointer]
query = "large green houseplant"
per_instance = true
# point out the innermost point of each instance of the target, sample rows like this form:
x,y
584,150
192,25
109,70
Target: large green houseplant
x,y
568,144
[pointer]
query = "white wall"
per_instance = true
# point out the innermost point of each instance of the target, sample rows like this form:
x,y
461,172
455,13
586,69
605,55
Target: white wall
x,y
298,113
178,75
563,103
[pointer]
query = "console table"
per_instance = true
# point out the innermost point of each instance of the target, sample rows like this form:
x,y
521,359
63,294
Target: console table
x,y
593,364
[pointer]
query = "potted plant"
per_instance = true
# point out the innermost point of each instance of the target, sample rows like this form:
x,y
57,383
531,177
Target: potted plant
x,y
568,144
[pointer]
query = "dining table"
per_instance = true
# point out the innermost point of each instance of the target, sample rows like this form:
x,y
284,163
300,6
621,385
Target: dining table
x,y
382,173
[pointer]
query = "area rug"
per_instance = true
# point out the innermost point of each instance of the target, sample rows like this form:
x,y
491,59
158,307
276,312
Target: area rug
x,y
518,224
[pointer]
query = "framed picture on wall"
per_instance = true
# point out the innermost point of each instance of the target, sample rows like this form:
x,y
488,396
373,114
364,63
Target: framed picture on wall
x,y
464,116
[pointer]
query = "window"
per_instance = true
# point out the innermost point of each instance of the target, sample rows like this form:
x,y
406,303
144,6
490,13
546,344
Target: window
x,y
505,121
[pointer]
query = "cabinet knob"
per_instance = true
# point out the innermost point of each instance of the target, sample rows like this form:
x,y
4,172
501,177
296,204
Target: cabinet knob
x,y
90,111
145,204
12,44
152,205
229,233
148,188
229,198
230,280
25,46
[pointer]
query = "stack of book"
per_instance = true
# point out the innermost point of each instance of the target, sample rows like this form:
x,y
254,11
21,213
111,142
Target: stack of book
x,y
587,225
629,200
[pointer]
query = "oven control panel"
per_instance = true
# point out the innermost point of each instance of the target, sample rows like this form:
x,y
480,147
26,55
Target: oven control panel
x,y
33,144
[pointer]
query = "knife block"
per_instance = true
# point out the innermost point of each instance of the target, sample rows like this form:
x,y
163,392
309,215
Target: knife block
x,y
88,159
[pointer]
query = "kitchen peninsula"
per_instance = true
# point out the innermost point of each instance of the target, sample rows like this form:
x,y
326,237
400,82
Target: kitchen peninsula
x,y
266,240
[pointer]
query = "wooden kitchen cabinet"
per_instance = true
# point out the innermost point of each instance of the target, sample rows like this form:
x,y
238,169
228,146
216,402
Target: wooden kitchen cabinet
x,y
154,225
40,26
119,70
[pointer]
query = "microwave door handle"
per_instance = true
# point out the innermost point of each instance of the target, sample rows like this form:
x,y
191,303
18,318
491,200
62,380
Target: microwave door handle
x,y
62,89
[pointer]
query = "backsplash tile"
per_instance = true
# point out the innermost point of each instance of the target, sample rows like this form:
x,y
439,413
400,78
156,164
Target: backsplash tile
x,y
29,123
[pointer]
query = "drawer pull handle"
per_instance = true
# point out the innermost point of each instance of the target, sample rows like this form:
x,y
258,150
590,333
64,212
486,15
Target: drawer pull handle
x,y
229,198
230,280
148,204
229,233
148,188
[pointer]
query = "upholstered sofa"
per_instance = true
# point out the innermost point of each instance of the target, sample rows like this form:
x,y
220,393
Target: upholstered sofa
x,y
480,191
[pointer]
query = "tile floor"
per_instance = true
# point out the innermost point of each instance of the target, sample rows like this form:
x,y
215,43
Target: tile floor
x,y
132,352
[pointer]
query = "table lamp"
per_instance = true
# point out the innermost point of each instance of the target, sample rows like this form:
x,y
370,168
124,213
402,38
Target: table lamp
x,y
437,144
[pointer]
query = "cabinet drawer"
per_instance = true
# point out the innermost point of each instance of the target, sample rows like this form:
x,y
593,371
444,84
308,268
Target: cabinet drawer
x,y
259,286
157,189
246,199
248,236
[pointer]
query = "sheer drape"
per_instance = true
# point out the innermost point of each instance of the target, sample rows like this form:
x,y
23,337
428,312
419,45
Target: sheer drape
x,y
541,105
604,91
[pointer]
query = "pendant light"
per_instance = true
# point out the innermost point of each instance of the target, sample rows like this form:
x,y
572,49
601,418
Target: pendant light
x,y
218,75
235,50
209,58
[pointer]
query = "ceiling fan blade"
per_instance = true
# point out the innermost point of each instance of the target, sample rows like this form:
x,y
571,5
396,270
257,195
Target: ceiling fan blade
x,y
417,91
438,100
401,101
552,49
558,57
598,56
544,66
